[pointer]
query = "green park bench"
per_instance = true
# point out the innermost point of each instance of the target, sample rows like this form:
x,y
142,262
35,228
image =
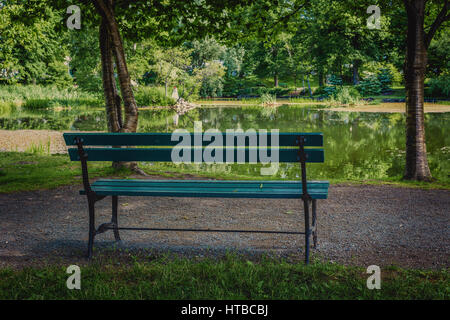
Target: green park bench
x,y
152,147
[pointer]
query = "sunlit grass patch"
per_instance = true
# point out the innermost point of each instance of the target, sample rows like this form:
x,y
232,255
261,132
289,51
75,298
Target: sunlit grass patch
x,y
229,277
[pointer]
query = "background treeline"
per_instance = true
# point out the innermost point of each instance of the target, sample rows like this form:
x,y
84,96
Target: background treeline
x,y
328,50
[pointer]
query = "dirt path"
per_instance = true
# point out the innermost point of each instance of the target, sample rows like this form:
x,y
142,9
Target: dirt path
x,y
360,225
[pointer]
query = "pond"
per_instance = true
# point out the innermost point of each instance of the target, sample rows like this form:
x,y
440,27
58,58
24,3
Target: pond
x,y
358,145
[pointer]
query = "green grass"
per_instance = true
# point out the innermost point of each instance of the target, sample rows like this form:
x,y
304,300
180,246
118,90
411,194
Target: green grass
x,y
37,170
41,97
230,277
153,96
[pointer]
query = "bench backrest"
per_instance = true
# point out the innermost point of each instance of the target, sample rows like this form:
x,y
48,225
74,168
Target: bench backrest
x,y
159,146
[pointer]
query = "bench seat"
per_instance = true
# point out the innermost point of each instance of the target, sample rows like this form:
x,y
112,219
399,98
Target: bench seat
x,y
209,188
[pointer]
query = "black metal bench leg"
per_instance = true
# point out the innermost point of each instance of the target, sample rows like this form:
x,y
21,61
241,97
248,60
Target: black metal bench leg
x,y
114,220
307,229
314,222
91,227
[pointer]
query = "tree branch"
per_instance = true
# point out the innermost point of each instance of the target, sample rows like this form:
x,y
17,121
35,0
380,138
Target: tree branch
x,y
440,19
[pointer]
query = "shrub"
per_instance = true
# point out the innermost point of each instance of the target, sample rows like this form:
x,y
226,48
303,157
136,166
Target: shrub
x,y
370,85
385,78
268,99
439,87
335,80
329,90
211,87
374,67
58,75
346,95
152,96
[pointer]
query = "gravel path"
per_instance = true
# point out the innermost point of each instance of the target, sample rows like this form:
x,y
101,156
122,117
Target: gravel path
x,y
359,225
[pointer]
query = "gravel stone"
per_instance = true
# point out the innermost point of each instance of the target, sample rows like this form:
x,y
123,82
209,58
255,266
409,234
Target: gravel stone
x,y
357,225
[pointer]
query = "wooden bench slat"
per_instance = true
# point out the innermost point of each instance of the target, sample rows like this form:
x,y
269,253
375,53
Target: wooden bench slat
x,y
287,194
202,188
312,139
165,154
207,183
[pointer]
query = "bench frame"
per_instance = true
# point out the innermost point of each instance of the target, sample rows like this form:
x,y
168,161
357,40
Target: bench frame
x,y
92,197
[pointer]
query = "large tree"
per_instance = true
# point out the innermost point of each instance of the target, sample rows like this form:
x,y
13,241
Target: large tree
x,y
419,37
169,22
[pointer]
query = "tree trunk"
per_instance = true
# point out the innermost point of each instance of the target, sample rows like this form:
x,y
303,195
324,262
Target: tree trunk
x,y
106,9
112,98
111,46
356,72
416,61
275,79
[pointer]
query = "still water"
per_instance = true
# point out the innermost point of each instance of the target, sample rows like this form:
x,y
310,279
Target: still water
x,y
358,145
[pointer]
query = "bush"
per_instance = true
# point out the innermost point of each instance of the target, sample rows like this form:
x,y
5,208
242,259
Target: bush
x,y
385,78
373,68
152,96
370,85
335,83
439,87
268,99
346,95
211,87
58,75
329,90
335,80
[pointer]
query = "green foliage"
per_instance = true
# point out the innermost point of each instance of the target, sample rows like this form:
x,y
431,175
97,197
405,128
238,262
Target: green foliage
x,y
328,91
376,68
335,80
370,85
170,65
376,83
152,96
32,51
439,54
38,97
85,59
385,78
211,77
346,96
6,107
268,99
37,104
439,86
204,51
58,75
